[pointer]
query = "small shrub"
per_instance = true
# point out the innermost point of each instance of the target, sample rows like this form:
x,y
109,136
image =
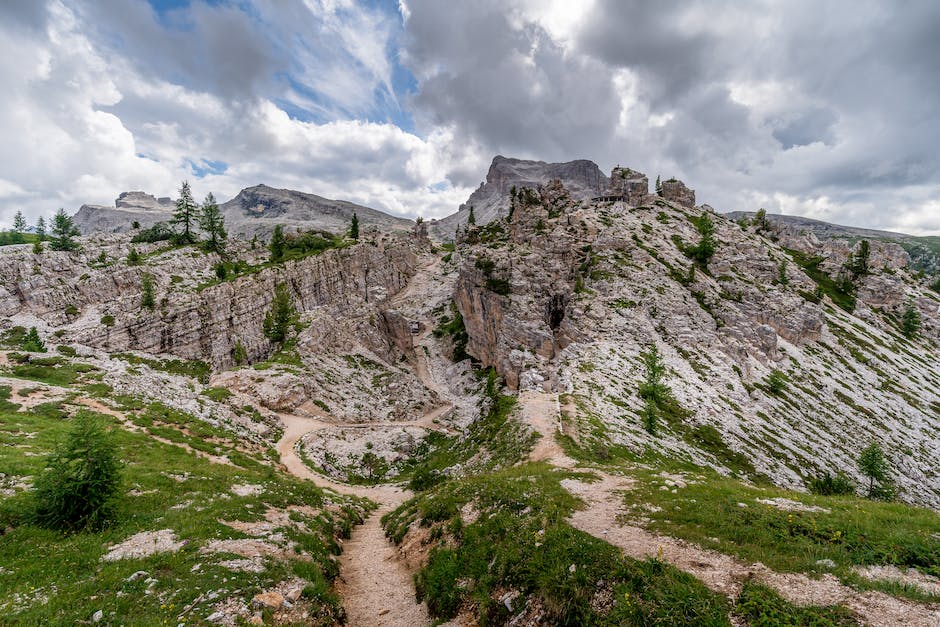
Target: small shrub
x,y
32,342
146,291
831,485
71,310
133,257
910,320
107,320
68,351
81,480
776,382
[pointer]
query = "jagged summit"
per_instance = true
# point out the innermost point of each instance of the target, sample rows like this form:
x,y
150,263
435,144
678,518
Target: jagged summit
x,y
582,178
129,207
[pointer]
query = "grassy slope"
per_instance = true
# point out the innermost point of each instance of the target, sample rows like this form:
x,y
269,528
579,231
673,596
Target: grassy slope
x,y
49,578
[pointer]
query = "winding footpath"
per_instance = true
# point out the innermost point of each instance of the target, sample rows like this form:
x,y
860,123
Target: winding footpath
x,y
719,572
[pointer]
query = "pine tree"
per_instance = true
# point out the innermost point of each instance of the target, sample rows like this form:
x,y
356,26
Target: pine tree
x,y
471,219
354,227
41,228
212,222
37,247
63,230
185,215
32,342
19,222
133,257
278,321
705,249
659,186
910,320
873,465
760,220
146,291
276,245
859,261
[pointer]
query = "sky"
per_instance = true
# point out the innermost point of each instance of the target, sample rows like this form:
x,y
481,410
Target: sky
x,y
828,110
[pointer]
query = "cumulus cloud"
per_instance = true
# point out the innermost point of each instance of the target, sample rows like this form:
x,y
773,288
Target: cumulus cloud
x,y
825,110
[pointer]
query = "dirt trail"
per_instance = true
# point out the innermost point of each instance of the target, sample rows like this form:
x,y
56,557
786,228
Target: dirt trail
x,y
722,573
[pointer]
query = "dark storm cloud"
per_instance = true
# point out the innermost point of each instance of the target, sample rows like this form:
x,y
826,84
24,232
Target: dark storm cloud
x,y
509,86
826,104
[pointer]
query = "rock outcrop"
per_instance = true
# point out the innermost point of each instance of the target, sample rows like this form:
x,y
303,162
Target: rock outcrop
x,y
564,295
129,207
582,179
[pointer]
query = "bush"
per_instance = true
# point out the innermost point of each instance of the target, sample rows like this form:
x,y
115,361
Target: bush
x,y
81,480
776,382
159,232
107,320
32,342
831,485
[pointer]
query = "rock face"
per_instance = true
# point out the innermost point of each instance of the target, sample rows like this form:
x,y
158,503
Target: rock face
x,y
629,185
676,191
254,211
564,296
582,179
129,207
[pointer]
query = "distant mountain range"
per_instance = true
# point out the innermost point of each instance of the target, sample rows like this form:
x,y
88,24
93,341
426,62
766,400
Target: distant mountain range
x,y
924,251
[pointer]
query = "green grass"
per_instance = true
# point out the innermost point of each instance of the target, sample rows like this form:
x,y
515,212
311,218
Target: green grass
x,y
854,532
51,370
194,368
762,607
842,297
51,578
520,541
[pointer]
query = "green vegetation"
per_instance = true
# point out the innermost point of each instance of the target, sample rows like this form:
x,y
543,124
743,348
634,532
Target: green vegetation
x,y
704,250
133,257
107,320
80,483
724,514
51,578
282,317
517,539
872,464
213,224
159,232
185,216
147,299
63,232
828,484
51,370
454,327
841,292
195,369
32,343
776,382
910,320
760,606
858,262
354,227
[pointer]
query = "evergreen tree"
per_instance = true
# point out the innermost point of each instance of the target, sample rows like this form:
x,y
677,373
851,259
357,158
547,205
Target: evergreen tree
x,y
146,291
212,222
659,186
281,318
873,465
910,320
37,247
41,228
81,480
354,227
760,220
277,243
705,249
859,261
63,230
185,215
19,222
471,219
133,257
32,342
653,389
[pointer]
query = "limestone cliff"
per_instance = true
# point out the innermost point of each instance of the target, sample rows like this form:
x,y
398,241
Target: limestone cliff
x,y
564,294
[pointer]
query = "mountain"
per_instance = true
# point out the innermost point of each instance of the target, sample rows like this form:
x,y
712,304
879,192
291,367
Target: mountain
x,y
924,250
600,406
582,178
129,207
254,211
